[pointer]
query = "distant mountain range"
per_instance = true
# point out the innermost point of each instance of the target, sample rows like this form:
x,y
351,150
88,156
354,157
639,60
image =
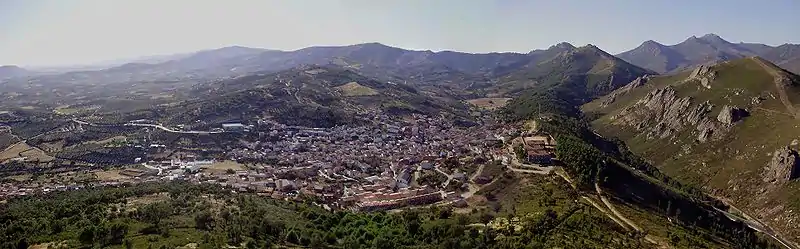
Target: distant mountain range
x,y
706,50
395,81
375,57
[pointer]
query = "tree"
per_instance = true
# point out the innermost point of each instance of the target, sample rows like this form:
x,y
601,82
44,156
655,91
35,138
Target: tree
x,y
204,221
87,235
117,232
519,151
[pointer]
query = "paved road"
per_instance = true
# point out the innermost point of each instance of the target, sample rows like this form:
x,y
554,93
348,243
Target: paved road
x,y
153,168
449,177
516,166
157,126
161,127
758,226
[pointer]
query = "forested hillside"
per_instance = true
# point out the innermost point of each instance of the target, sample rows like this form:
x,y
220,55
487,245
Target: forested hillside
x,y
168,215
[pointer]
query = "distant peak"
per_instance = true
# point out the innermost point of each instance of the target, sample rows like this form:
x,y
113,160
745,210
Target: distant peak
x,y
373,44
651,43
563,45
236,47
594,49
590,46
713,38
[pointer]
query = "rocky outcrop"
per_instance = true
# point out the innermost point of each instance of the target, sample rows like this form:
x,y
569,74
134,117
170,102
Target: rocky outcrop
x,y
636,83
698,113
731,114
706,128
641,80
704,74
608,101
662,114
664,108
782,167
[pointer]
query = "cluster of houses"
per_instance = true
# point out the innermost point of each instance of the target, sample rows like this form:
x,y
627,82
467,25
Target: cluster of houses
x,y
365,167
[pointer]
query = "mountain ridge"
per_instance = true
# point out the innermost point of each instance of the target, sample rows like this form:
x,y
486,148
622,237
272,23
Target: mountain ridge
x,y
704,50
723,127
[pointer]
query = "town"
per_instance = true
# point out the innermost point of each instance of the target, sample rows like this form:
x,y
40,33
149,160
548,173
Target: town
x,y
389,164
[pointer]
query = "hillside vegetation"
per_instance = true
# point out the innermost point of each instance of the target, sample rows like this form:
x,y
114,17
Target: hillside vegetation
x,y
565,81
731,128
170,215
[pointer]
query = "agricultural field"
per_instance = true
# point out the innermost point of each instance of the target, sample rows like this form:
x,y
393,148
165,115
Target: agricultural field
x,y
223,166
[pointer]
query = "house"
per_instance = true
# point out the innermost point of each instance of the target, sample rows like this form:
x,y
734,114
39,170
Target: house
x,y
426,165
482,180
460,176
286,185
404,178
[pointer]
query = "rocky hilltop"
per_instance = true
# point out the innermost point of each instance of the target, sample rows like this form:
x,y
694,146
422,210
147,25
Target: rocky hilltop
x,y
707,50
730,128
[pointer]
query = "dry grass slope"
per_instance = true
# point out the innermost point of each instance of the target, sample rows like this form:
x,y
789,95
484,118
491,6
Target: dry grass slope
x,y
354,89
489,103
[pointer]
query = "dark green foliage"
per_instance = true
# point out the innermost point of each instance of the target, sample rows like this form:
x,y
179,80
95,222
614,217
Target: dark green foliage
x,y
260,221
581,160
560,85
519,151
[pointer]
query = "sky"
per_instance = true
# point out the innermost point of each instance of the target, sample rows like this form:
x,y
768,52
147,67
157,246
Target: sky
x,y
74,32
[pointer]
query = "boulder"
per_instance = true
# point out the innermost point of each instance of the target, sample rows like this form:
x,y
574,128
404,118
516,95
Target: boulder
x,y
731,114
782,167
706,130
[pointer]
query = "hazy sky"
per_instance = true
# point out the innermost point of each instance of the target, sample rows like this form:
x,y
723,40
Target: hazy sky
x,y
59,32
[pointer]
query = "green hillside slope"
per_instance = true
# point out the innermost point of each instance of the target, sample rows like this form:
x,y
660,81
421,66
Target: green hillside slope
x,y
731,129
569,79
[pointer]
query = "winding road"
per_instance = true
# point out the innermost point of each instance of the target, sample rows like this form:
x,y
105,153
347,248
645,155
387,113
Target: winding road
x,y
157,126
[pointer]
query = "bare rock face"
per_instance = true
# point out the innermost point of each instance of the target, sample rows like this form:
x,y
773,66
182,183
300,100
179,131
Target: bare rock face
x,y
641,80
611,98
704,74
706,128
664,108
731,114
663,114
782,167
636,83
671,107
699,112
